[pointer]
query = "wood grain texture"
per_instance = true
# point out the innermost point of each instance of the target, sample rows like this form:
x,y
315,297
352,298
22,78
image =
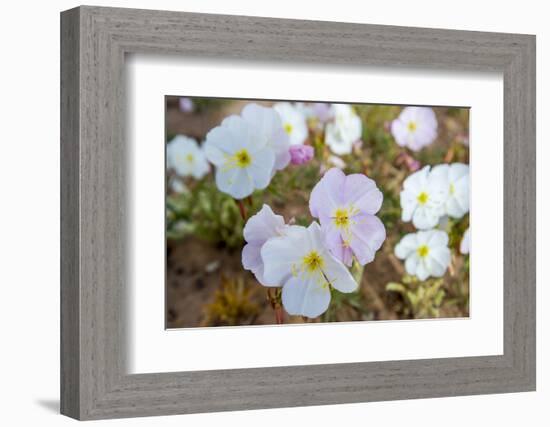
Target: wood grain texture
x,y
70,314
94,198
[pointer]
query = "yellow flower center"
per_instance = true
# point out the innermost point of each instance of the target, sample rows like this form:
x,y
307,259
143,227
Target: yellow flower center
x,y
451,189
411,126
423,198
313,262
341,218
242,159
423,251
288,128
189,158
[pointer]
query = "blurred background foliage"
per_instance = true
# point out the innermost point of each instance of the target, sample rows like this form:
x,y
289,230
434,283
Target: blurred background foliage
x,y
206,284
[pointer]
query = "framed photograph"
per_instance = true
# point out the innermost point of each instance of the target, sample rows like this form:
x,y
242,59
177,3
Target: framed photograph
x,y
262,213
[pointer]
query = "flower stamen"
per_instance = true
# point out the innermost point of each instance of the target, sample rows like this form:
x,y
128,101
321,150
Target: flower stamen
x,y
423,198
313,262
288,128
341,218
423,251
241,159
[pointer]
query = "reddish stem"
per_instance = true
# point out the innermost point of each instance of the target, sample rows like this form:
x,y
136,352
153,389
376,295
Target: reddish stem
x,y
276,306
279,315
242,209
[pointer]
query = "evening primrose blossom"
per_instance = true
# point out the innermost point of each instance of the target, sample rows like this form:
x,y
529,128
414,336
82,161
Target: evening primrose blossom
x,y
258,230
423,198
243,162
344,130
294,122
301,262
346,207
415,127
456,177
186,158
425,253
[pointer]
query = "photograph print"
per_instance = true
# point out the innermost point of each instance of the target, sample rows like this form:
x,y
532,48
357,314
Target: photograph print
x,y
301,212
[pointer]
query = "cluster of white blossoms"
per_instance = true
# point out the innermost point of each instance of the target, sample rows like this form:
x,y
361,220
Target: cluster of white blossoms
x,y
343,125
428,196
307,261
432,193
248,149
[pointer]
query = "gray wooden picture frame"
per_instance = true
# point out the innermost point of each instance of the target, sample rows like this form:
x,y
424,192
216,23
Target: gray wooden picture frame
x,y
94,41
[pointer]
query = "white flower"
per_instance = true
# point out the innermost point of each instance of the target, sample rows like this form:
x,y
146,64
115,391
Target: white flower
x,y
415,127
266,125
465,242
243,162
346,128
294,122
184,155
423,199
457,178
300,260
425,253
258,230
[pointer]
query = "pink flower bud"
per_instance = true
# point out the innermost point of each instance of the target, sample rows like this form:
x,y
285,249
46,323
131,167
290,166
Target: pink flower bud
x,y
300,154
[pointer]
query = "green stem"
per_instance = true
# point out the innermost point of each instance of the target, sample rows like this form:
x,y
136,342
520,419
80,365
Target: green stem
x,y
357,271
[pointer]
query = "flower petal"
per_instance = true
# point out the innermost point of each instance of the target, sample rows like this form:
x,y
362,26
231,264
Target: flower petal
x,y
368,234
266,125
425,217
235,182
406,246
361,192
335,244
422,271
338,275
465,242
437,238
411,263
261,168
263,225
439,260
304,295
327,193
280,254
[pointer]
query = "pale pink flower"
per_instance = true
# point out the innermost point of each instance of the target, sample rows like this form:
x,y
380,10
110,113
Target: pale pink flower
x,y
346,208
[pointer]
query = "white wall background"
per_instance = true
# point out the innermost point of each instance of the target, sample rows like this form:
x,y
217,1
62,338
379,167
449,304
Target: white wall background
x,y
29,224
